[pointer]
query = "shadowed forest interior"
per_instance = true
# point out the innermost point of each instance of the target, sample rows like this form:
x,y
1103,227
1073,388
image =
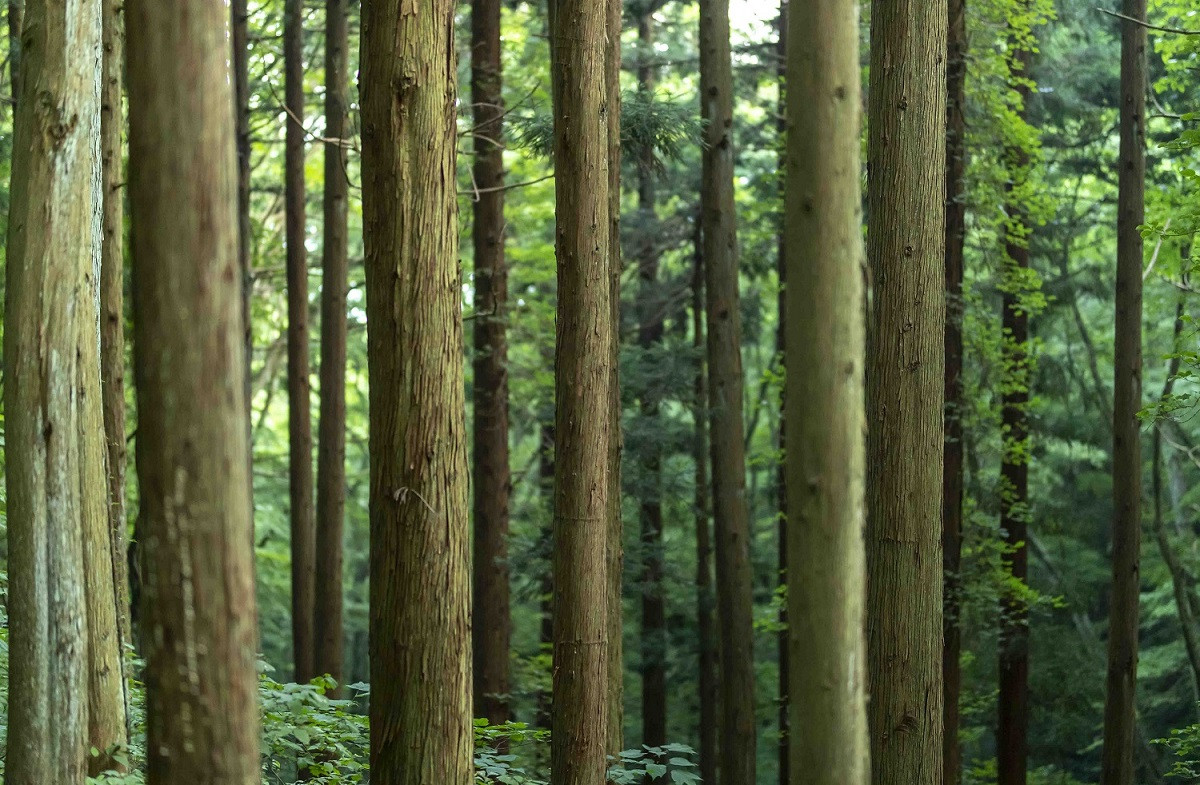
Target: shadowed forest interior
x,y
584,391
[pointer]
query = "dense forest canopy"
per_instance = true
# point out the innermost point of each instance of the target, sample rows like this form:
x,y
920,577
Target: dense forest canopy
x,y
636,390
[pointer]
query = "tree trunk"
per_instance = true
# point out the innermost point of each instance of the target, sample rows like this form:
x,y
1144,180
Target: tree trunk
x,y
240,43
492,481
1117,767
905,388
421,729
16,16
952,477
55,486
112,306
584,456
650,336
735,612
300,470
331,427
705,602
546,626
824,401
198,597
615,546
1012,745
784,709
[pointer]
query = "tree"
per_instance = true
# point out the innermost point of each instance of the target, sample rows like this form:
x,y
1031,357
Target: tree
x,y
300,470
1012,745
824,398
615,547
732,527
200,637
1119,709
112,301
706,644
240,43
331,427
492,479
784,708
582,723
419,580
952,471
650,338
905,388
55,487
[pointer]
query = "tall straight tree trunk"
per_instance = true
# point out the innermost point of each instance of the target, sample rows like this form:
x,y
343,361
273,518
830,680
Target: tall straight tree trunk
x,y
705,601
735,612
952,476
906,151
331,427
784,709
198,599
112,303
650,336
1012,745
615,547
240,43
51,346
300,470
824,400
492,480
421,729
584,430
546,586
1117,765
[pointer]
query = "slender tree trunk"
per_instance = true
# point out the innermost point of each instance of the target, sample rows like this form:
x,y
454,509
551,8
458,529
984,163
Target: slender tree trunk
x,y
300,469
331,449
198,598
1117,765
1012,745
705,601
583,508
55,487
650,336
784,708
492,481
240,43
952,477
824,403
546,626
735,612
905,388
615,546
112,304
421,729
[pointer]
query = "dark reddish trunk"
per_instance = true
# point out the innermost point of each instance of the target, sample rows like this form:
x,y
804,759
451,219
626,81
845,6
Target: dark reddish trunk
x,y
650,336
546,603
781,469
952,478
331,449
492,628
300,471
705,602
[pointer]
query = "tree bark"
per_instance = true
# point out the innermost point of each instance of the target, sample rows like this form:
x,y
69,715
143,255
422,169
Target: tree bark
x,y
1012,744
784,707
16,16
546,626
300,469
952,474
492,479
905,388
1116,762
615,546
331,427
735,613
55,486
421,729
705,601
824,399
240,43
193,471
650,336
584,383
112,305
